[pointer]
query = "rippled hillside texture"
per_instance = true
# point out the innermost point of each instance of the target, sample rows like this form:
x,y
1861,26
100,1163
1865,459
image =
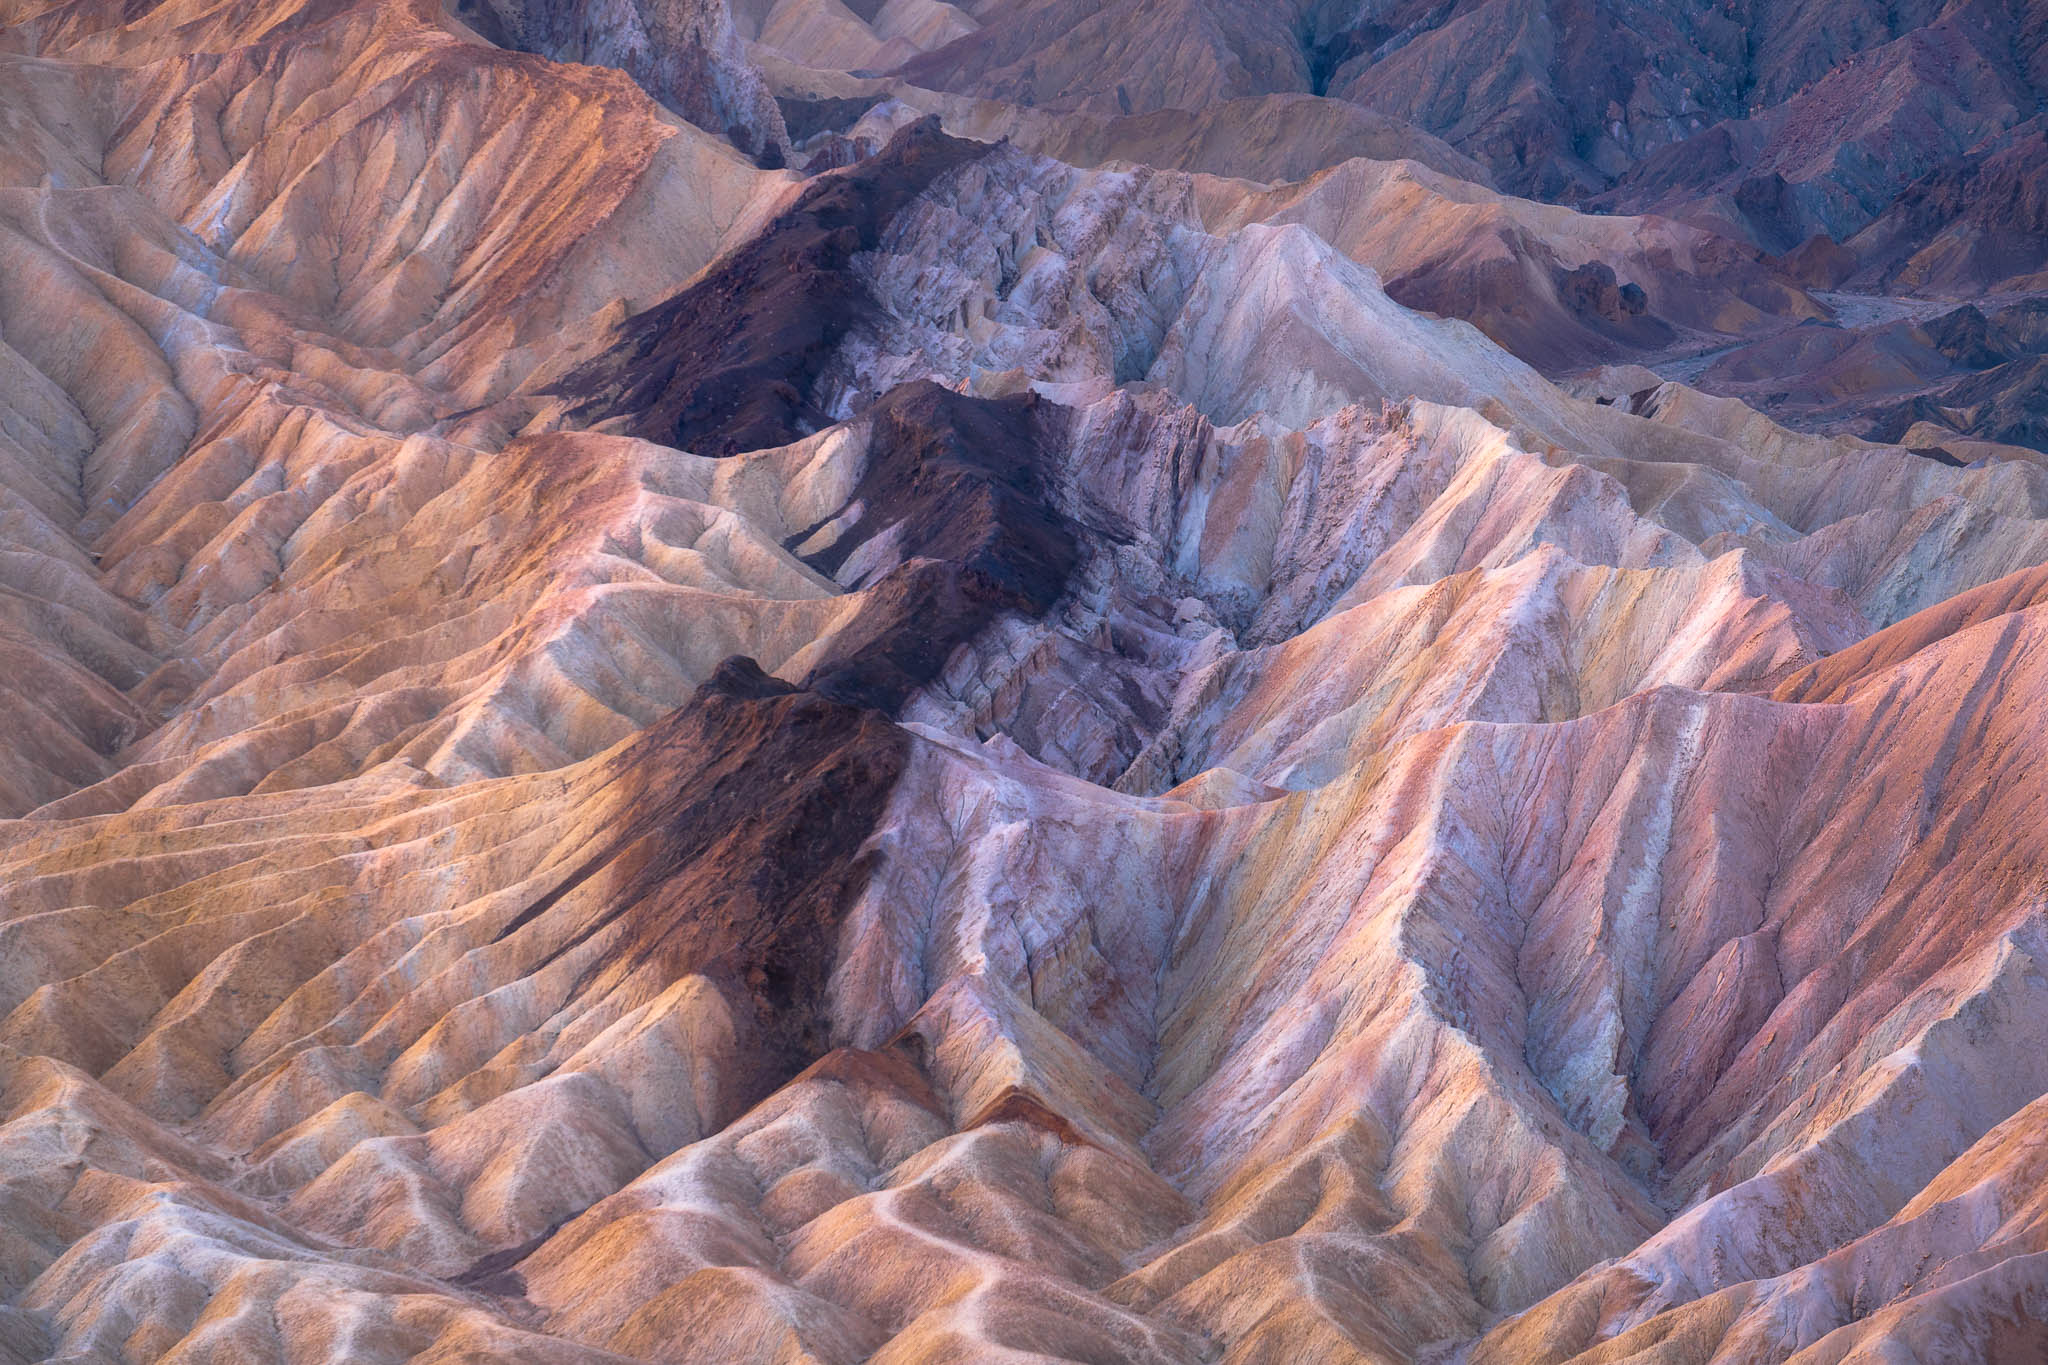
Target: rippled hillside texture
x,y
811,681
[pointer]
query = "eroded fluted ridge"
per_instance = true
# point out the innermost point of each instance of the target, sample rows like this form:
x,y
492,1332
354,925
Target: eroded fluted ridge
x,y
624,755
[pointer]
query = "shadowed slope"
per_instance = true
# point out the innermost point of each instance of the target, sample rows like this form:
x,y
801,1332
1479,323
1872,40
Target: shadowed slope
x,y
731,363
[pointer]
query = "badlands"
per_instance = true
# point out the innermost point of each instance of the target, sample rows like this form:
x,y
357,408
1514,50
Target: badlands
x,y
813,681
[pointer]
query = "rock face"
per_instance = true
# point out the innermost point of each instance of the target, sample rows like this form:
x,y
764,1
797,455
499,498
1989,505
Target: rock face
x,y
1775,120
1111,719
1762,155
685,53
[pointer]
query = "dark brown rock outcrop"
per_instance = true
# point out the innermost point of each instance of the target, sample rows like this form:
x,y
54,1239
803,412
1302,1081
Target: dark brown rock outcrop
x,y
730,363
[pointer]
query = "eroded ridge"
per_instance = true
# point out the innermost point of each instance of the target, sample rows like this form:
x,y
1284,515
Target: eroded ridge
x,y
937,725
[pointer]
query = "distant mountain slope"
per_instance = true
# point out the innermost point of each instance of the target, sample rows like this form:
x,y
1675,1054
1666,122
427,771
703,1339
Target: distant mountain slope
x,y
1772,121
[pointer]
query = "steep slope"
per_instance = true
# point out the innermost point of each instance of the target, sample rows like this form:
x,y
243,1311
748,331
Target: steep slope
x,y
1560,289
1775,120
1888,149
963,756
685,53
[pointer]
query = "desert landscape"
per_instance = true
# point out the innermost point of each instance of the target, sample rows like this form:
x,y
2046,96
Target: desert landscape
x,y
813,681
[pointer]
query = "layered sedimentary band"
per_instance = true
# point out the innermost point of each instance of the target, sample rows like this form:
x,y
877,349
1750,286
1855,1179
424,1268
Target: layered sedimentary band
x,y
795,698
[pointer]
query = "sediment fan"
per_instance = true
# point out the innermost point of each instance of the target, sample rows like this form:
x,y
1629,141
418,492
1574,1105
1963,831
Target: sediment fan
x,y
1024,680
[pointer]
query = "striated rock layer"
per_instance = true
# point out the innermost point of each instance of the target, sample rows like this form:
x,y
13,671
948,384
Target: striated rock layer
x,y
1021,743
